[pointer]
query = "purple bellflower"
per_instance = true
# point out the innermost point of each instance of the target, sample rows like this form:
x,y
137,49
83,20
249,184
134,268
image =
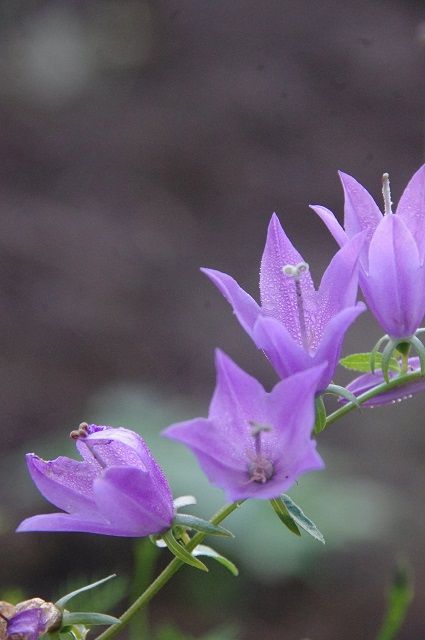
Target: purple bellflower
x,y
368,381
254,444
118,489
392,274
296,326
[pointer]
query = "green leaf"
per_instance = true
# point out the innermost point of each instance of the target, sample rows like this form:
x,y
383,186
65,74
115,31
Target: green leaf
x,y
399,599
301,519
87,617
283,515
181,552
62,601
203,550
362,362
192,522
320,422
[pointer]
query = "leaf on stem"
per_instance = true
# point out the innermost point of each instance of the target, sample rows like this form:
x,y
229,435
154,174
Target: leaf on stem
x,y
301,519
181,552
192,522
282,513
362,362
203,550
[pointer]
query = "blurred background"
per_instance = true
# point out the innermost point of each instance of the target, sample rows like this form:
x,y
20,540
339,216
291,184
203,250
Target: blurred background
x,y
138,142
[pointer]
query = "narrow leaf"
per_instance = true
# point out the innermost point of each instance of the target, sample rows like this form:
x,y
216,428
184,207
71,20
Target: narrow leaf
x,y
192,522
362,362
181,553
203,550
283,515
399,599
87,617
301,519
320,421
62,601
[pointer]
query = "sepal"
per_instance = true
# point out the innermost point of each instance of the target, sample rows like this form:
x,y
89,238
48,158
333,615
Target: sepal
x,y
87,618
65,599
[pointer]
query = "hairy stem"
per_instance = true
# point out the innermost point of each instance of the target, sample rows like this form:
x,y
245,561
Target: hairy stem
x,y
164,576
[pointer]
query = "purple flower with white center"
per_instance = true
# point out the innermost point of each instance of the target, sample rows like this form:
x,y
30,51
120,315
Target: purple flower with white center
x,y
368,381
392,274
118,489
296,326
254,444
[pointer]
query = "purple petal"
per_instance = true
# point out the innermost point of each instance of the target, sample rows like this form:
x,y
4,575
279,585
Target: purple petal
x,y
278,293
222,461
394,288
245,307
284,353
127,497
360,210
329,349
411,208
294,427
27,624
238,398
367,381
332,223
115,446
67,523
338,288
64,482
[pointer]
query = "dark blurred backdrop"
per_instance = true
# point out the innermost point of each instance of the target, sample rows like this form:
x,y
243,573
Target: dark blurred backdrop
x,y
139,141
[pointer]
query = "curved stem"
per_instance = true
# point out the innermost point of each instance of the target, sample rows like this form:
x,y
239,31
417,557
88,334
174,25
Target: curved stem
x,y
164,576
375,391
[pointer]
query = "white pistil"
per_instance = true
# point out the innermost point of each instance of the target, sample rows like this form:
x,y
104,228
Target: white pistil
x,y
295,272
386,193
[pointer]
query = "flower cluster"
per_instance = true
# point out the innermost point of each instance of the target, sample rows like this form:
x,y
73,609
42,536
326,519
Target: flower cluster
x,y
256,444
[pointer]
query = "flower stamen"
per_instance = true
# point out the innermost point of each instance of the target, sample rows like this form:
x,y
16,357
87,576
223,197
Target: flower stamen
x,y
260,469
295,272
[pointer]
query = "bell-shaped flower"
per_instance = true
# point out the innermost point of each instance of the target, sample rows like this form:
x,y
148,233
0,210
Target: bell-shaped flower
x,y
392,274
118,488
368,381
296,326
254,444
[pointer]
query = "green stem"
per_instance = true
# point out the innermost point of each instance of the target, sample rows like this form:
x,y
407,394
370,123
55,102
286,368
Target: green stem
x,y
164,576
368,395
